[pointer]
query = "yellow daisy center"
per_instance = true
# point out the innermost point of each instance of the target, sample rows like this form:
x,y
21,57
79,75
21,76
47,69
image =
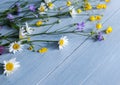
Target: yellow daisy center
x,y
9,66
50,4
16,46
61,42
42,8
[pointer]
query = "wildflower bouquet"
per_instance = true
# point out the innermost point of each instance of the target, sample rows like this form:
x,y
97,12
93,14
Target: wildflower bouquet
x,y
23,17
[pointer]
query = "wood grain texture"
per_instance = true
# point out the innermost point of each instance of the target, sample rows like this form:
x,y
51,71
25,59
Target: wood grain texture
x,y
83,62
92,63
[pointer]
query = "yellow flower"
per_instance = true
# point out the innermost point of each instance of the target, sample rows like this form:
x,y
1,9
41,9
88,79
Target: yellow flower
x,y
104,6
68,3
79,11
108,30
88,6
98,26
99,6
43,50
39,23
30,48
107,1
92,18
98,17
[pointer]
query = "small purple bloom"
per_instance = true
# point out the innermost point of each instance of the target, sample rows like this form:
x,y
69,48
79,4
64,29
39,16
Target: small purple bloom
x,y
10,17
100,37
1,50
80,26
17,9
32,8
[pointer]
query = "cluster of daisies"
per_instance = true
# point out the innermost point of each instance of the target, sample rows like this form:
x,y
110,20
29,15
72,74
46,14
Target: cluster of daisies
x,y
17,18
12,65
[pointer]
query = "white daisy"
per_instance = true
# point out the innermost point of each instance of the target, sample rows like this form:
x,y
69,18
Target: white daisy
x,y
42,9
28,29
22,33
72,11
63,42
10,66
49,4
15,46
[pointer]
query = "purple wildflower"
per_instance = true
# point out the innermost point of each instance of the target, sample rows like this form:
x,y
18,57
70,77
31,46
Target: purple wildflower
x,y
17,9
80,26
10,17
1,50
100,37
32,8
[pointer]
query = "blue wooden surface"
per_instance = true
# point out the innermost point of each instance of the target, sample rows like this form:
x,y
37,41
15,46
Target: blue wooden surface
x,y
83,62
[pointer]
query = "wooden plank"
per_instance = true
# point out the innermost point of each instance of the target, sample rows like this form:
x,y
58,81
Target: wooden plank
x,y
35,68
92,63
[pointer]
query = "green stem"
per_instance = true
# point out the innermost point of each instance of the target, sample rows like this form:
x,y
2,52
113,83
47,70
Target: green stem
x,y
59,32
44,41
